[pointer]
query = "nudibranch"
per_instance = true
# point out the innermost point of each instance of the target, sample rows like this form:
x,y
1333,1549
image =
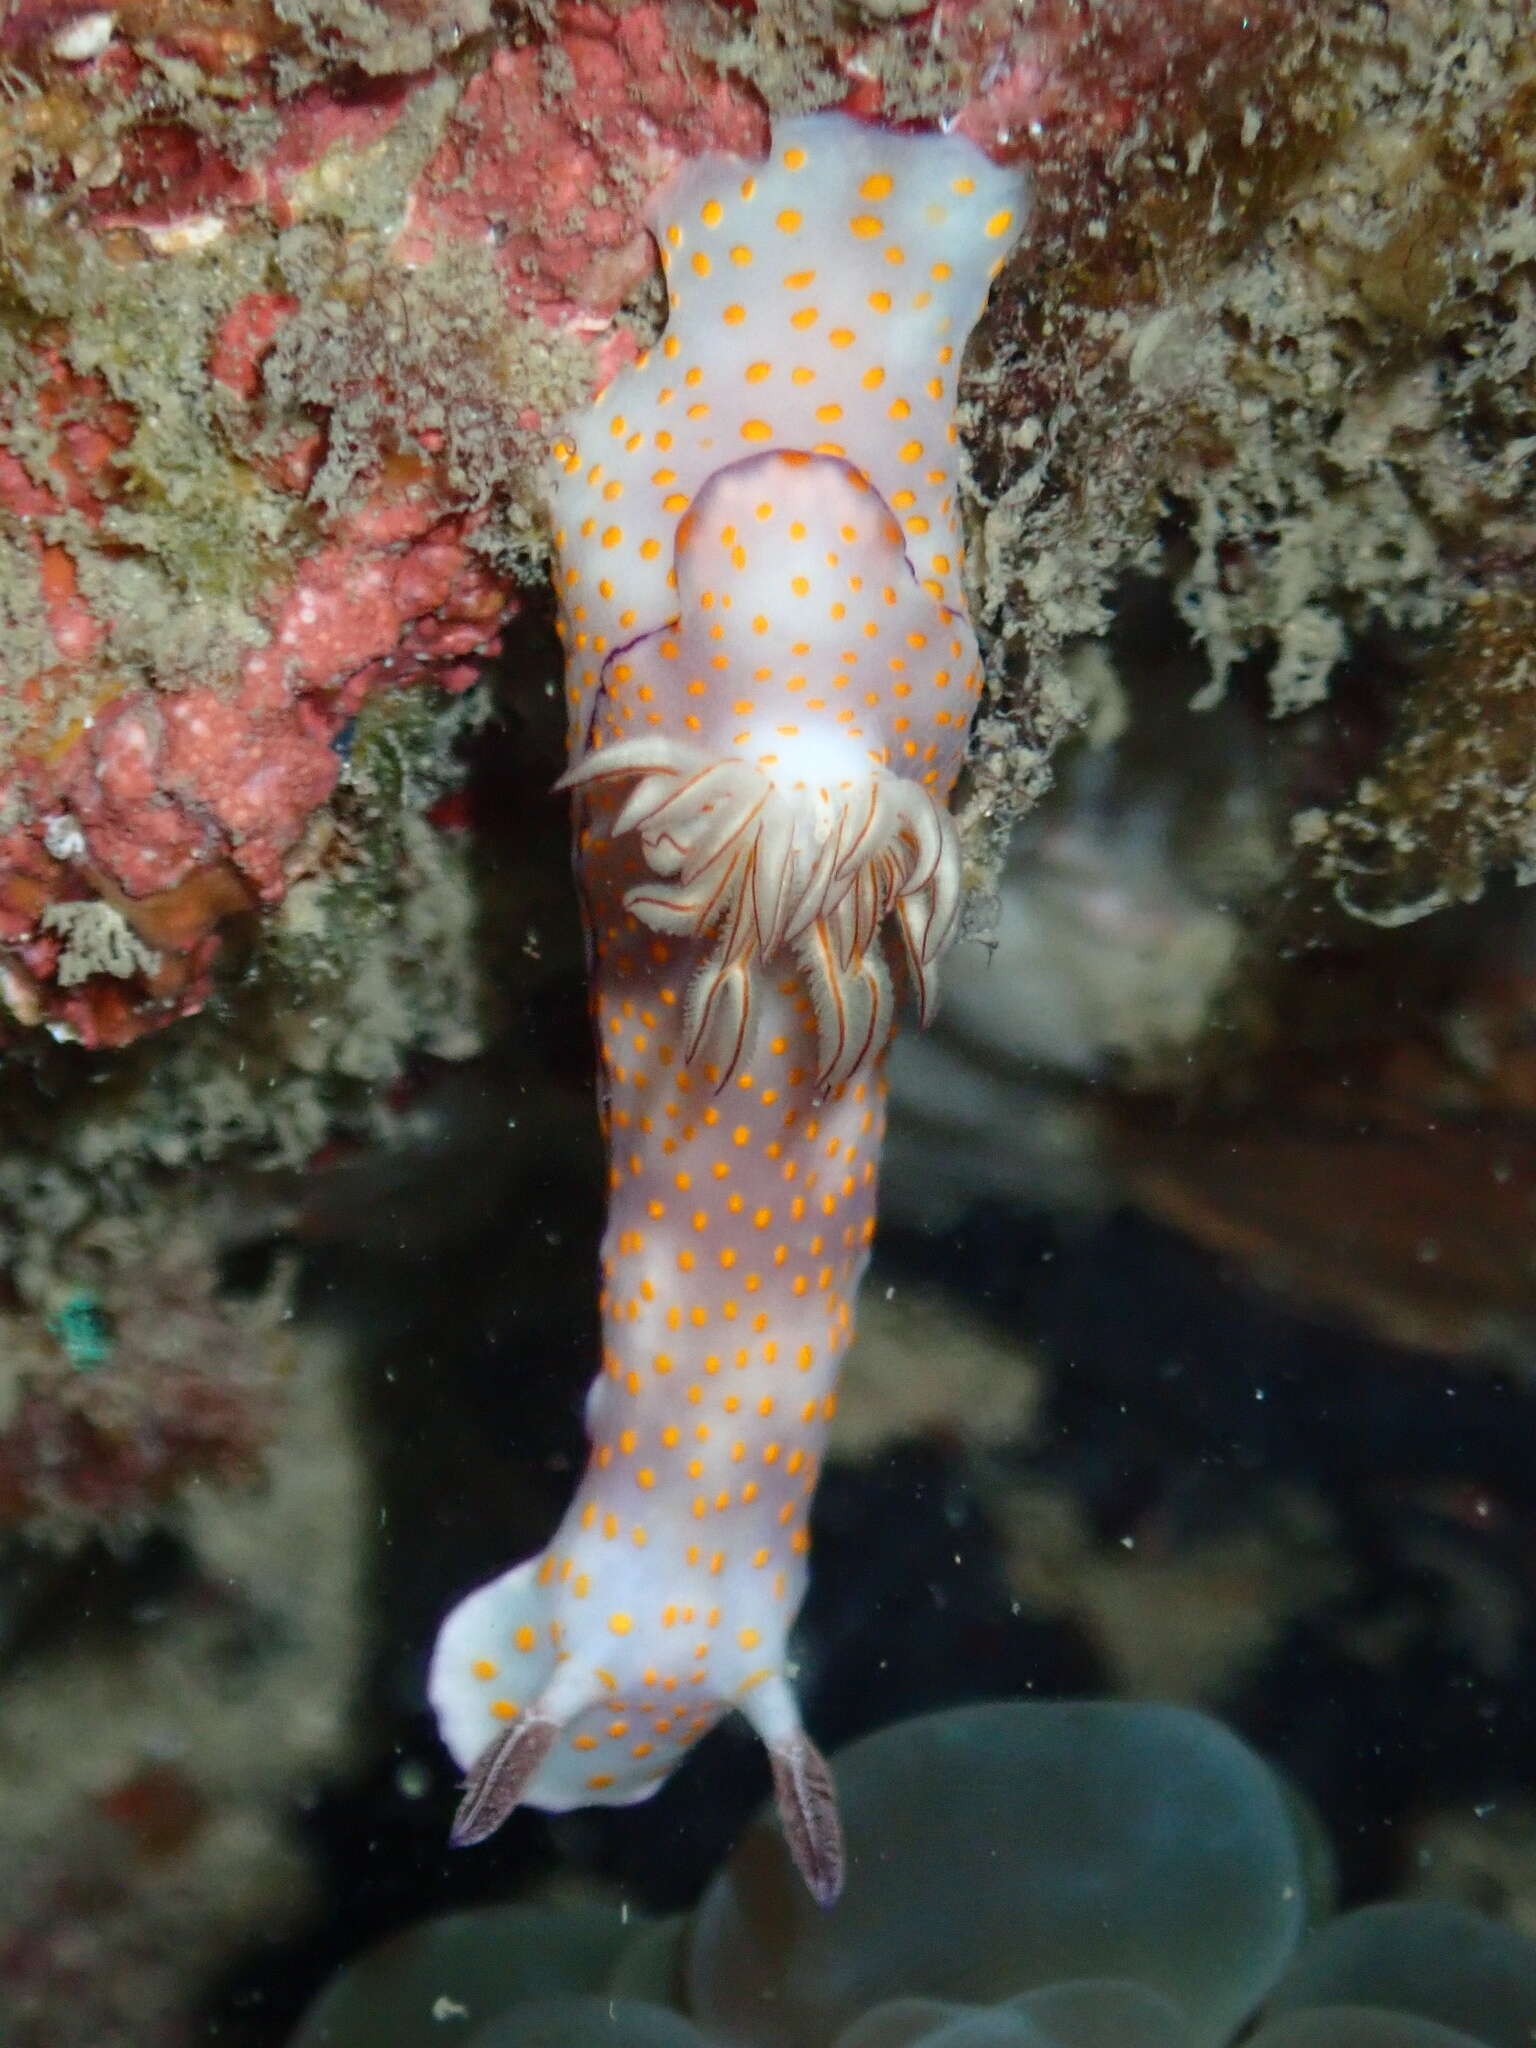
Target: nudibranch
x,y
771,677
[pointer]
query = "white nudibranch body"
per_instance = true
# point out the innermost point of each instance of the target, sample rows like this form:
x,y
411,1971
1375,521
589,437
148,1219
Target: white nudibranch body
x,y
771,681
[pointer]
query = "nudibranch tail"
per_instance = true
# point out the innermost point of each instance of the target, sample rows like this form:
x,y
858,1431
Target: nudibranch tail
x,y
771,679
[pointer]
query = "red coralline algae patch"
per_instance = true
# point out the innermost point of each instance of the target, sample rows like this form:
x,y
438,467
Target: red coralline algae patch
x,y
174,809
161,785
139,1380
627,109
82,1463
142,805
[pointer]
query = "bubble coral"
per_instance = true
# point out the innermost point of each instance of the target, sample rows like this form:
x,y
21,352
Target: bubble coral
x,y
1081,1875
1439,1962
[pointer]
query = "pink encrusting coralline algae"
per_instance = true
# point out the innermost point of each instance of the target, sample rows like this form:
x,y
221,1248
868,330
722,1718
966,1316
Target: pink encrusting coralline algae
x,y
175,798
771,681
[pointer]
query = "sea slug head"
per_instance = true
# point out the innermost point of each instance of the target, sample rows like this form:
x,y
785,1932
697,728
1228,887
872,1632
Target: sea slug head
x,y
577,1732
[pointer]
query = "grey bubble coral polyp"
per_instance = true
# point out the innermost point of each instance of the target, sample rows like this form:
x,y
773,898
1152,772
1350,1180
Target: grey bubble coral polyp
x,y
1071,1875
1437,1961
1084,2015
584,2022
1358,2026
997,1849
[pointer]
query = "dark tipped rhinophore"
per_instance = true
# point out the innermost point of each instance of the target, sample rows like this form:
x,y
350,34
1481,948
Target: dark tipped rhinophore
x,y
807,1801
498,1779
